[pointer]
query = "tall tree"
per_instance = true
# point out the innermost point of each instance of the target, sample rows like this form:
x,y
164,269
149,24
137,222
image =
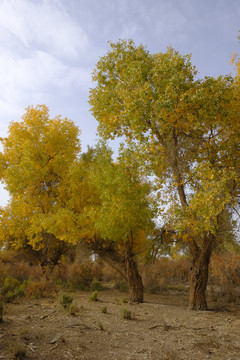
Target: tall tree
x,y
110,210
36,159
182,128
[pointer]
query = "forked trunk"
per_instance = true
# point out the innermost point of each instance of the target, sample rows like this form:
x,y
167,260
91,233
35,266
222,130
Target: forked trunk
x,y
134,280
199,276
124,264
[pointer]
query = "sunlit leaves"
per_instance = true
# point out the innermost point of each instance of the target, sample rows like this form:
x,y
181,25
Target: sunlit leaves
x,y
124,207
185,130
37,157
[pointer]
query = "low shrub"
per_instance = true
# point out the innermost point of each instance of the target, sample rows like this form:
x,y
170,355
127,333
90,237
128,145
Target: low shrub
x,y
10,284
124,300
66,300
126,314
72,309
12,288
94,296
96,285
68,304
41,289
104,310
83,275
164,272
100,325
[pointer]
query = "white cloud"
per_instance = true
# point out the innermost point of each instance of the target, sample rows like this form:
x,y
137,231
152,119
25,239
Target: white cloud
x,y
40,51
33,79
43,24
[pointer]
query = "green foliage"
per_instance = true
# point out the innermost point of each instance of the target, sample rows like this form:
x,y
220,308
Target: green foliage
x,y
100,325
10,284
104,310
66,301
184,131
72,309
13,288
94,296
126,314
68,304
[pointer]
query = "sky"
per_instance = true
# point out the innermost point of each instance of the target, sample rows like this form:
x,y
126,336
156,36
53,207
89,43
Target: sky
x,y
49,48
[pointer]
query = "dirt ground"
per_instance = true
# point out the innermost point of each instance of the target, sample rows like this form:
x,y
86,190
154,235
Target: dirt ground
x,y
161,328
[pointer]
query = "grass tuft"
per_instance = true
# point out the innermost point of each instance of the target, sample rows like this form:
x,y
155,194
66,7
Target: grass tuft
x,y
126,314
94,296
104,310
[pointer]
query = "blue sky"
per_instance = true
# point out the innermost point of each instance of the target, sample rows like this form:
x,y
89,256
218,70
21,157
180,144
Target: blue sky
x,y
49,48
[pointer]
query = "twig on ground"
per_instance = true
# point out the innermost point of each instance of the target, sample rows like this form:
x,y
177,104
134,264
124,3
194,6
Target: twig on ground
x,y
55,339
48,314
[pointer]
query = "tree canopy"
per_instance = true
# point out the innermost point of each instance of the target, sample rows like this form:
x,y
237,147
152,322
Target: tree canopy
x,y
36,159
181,131
185,129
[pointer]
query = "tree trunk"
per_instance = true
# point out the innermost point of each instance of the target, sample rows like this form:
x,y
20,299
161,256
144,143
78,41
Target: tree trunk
x,y
123,263
198,284
134,280
199,276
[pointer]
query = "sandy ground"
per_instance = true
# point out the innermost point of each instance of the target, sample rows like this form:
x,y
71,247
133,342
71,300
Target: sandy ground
x,y
161,328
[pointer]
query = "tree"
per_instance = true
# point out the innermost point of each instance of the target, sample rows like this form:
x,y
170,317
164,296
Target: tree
x,y
36,159
59,197
184,130
110,210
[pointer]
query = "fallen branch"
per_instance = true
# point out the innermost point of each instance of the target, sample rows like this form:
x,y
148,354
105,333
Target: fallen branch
x,y
54,347
31,348
46,315
54,340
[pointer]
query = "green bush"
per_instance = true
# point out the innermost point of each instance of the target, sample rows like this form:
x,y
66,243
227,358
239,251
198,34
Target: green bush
x,y
104,310
94,296
10,284
12,288
72,309
126,314
68,304
66,301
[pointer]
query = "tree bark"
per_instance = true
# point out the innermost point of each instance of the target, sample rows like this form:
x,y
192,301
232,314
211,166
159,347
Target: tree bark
x,y
199,275
123,263
134,280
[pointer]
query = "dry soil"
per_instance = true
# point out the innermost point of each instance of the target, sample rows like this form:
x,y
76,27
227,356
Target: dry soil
x,y
161,328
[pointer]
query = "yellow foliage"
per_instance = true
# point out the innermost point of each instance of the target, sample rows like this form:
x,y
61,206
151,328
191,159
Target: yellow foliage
x,y
37,157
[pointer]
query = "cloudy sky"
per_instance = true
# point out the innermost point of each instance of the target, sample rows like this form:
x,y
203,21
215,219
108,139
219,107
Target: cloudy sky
x,y
49,48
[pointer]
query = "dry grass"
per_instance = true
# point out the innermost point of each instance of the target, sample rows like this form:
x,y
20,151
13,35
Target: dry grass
x,y
161,277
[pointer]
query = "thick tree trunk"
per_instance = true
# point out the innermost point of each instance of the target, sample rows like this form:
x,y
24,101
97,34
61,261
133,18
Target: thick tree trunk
x,y
134,279
199,275
123,263
198,284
